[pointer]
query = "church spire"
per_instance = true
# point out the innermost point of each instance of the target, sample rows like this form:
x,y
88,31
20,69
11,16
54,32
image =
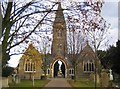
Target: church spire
x,y
59,44
59,15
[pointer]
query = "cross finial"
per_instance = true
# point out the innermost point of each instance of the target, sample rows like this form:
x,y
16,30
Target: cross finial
x,y
58,0
30,42
87,42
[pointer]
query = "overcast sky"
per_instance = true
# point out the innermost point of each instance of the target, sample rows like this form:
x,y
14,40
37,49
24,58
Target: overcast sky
x,y
109,12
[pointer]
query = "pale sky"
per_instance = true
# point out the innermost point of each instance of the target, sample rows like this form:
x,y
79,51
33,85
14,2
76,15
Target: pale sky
x,y
109,12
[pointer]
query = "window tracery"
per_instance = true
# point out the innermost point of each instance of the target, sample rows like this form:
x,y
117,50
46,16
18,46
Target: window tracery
x,y
88,66
30,66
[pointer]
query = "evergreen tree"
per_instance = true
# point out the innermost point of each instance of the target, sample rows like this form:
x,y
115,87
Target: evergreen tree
x,y
116,58
110,59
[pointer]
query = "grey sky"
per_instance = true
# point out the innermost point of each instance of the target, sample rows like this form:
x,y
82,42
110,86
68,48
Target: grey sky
x,y
110,14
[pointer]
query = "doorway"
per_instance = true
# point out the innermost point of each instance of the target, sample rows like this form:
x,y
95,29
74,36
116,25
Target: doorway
x,y
59,69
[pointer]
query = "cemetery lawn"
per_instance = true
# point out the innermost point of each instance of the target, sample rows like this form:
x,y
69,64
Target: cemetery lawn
x,y
29,83
81,83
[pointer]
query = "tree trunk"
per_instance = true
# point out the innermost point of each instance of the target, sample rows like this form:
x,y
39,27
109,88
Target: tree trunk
x,y
6,28
75,73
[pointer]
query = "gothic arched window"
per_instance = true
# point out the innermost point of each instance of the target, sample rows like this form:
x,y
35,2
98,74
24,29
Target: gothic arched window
x,y
29,66
59,33
59,47
88,66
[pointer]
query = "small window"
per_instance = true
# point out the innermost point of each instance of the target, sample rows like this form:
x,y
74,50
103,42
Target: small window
x,y
59,47
48,71
71,71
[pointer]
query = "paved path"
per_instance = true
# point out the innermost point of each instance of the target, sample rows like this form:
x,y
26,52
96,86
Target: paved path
x,y
58,82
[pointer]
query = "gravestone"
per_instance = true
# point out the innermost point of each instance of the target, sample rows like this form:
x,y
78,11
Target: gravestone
x,y
17,80
92,77
104,79
10,79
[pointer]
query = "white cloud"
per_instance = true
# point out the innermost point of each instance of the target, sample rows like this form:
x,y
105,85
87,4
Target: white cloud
x,y
14,60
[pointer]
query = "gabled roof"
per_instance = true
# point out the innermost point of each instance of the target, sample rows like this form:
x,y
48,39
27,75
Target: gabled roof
x,y
31,53
87,53
87,49
59,19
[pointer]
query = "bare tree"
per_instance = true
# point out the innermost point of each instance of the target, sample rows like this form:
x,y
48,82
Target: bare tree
x,y
87,17
46,47
19,21
96,30
75,42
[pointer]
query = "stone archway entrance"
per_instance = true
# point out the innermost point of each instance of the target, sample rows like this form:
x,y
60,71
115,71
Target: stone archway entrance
x,y
59,70
56,69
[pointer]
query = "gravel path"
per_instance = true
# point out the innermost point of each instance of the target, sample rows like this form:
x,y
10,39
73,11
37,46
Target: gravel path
x,y
58,82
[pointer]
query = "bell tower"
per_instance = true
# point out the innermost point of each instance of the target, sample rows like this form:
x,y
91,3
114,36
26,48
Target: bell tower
x,y
59,44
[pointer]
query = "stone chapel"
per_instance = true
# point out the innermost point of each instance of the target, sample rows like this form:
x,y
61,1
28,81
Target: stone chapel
x,y
33,66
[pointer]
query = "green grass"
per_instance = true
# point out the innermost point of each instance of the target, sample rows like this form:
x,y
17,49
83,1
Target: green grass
x,y
29,83
81,83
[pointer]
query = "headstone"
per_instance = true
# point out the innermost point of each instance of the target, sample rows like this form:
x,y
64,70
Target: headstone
x,y
17,79
104,79
92,77
111,75
14,78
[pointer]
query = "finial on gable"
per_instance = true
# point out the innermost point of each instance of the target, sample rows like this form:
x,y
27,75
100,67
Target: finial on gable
x,y
87,42
30,42
58,0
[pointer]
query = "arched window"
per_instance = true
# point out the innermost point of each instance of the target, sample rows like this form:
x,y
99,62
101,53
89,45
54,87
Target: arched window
x,y
30,66
59,47
92,67
84,67
59,33
72,71
88,66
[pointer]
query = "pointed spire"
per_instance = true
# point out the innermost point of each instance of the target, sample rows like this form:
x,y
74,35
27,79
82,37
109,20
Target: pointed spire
x,y
59,25
59,6
59,15
58,0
